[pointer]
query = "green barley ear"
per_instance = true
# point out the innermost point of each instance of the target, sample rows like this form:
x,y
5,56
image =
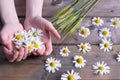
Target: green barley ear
x,y
63,10
68,20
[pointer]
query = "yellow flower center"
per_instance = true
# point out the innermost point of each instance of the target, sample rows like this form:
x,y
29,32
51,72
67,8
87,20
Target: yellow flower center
x,y
106,45
19,36
79,60
36,45
115,23
65,51
98,21
52,64
32,42
30,47
71,77
35,34
101,68
83,47
84,32
105,33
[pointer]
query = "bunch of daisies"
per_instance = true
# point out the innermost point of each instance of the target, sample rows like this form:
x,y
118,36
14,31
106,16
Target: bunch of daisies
x,y
30,39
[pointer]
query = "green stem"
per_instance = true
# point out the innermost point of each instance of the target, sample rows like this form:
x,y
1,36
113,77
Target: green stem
x,y
78,22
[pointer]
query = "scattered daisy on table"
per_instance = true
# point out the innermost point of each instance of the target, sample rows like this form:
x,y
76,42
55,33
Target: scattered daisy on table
x,y
106,45
105,33
97,21
115,22
101,68
52,65
84,47
79,61
84,32
65,51
70,75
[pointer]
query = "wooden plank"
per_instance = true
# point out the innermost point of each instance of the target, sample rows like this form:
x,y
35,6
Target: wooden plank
x,y
33,68
104,8
94,37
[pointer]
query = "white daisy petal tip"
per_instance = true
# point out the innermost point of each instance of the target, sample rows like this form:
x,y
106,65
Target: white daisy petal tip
x,y
65,51
84,47
84,32
79,61
118,57
101,68
105,33
26,39
70,75
52,65
106,45
115,22
97,21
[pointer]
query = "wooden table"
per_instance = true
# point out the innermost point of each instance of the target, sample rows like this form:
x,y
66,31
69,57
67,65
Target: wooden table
x,y
33,68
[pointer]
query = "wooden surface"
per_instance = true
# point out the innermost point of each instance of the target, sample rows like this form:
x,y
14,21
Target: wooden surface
x,y
33,68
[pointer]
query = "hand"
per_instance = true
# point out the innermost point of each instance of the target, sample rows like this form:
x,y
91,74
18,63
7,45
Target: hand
x,y
10,51
47,28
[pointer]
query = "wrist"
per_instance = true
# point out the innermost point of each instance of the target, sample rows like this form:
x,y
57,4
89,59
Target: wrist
x,y
10,20
34,8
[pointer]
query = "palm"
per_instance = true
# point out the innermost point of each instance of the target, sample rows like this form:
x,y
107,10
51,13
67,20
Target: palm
x,y
6,36
46,27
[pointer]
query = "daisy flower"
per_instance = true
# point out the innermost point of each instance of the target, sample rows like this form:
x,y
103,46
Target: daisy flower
x,y
70,75
84,47
52,65
104,33
115,22
106,45
118,57
31,39
97,21
64,51
35,32
101,68
19,35
79,61
30,48
37,43
84,32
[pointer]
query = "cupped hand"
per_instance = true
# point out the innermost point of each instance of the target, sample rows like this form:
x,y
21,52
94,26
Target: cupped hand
x,y
6,35
47,28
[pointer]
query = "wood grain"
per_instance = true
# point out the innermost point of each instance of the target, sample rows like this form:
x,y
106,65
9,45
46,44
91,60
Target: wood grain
x,y
94,37
104,8
33,68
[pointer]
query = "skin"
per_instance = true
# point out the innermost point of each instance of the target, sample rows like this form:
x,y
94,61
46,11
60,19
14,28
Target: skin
x,y
33,19
11,25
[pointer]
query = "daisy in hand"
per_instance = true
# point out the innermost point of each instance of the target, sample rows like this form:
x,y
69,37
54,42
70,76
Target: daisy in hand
x,y
115,22
64,51
97,21
70,75
35,32
20,39
52,65
79,61
31,39
118,57
101,68
104,33
84,32
106,45
84,47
